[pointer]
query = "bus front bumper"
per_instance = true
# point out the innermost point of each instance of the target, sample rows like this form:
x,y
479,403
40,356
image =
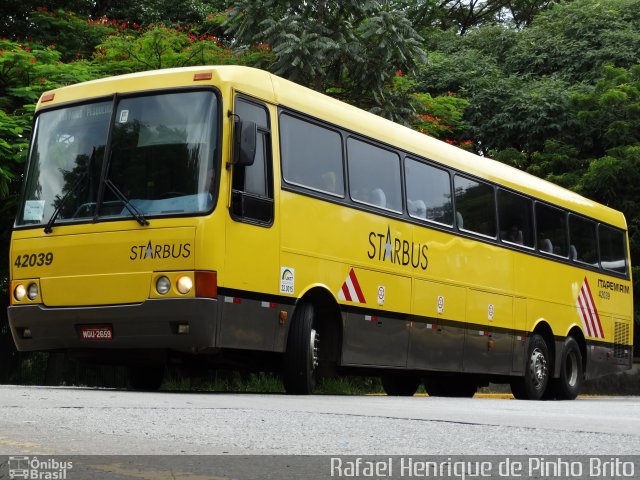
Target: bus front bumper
x,y
153,324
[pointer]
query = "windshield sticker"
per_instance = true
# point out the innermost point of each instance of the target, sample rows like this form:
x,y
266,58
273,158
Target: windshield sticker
x,y
33,210
124,116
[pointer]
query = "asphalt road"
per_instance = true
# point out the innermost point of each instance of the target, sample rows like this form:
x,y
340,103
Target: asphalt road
x,y
76,421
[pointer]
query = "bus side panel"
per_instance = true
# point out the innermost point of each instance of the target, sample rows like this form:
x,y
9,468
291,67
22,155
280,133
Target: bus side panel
x,y
375,337
520,337
488,342
437,333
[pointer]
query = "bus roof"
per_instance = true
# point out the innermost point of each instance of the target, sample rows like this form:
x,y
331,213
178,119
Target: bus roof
x,y
276,90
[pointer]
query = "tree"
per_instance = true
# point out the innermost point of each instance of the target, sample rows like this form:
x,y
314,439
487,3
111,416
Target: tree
x,y
163,47
575,39
349,49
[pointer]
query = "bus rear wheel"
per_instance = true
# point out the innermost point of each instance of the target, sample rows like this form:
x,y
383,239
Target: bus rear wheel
x,y
450,386
301,356
568,385
399,385
533,384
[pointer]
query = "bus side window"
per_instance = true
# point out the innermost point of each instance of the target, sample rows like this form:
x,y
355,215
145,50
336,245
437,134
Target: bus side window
x,y
552,230
311,156
374,175
428,192
252,196
515,216
612,249
475,202
583,243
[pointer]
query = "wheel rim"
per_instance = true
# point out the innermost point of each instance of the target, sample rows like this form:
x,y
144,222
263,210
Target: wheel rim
x,y
538,368
571,367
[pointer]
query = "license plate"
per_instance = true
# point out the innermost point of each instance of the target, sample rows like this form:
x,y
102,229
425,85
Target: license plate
x,y
96,333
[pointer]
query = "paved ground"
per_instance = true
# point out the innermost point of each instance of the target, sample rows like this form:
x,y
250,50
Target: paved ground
x,y
75,421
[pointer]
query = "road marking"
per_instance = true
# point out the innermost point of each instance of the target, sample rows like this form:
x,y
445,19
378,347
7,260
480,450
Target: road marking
x,y
10,442
139,472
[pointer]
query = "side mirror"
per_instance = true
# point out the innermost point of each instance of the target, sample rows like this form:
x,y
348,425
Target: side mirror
x,y
245,134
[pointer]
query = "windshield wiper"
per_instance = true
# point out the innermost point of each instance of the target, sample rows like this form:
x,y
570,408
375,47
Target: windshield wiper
x,y
49,226
137,214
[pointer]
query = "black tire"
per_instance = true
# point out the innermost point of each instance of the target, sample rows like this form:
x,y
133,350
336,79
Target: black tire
x,y
569,384
400,385
147,378
533,385
301,357
450,386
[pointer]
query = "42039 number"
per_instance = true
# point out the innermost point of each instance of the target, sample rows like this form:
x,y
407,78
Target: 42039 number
x,y
33,260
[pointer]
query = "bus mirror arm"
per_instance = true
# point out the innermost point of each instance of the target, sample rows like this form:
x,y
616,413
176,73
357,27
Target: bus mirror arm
x,y
245,134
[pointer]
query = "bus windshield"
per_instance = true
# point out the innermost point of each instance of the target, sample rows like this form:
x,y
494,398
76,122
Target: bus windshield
x,y
159,152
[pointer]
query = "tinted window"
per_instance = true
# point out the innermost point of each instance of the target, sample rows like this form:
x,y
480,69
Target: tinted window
x,y
612,248
582,237
428,192
516,218
311,156
162,154
255,178
374,175
552,230
475,206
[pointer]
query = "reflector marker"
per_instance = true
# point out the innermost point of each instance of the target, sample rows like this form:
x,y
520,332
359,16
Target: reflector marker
x,y
350,290
588,312
202,76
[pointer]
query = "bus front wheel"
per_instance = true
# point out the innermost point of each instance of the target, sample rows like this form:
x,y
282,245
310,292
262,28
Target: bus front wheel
x,y
533,384
301,356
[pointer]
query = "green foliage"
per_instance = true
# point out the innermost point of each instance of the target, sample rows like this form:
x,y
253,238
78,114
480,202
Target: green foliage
x,y
442,118
575,39
13,148
609,114
163,47
72,36
346,48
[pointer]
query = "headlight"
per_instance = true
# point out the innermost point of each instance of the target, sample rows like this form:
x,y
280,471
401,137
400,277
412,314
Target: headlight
x,y
19,292
163,284
32,291
184,284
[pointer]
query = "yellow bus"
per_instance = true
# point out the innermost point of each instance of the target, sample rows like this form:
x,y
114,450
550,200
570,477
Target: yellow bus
x,y
223,216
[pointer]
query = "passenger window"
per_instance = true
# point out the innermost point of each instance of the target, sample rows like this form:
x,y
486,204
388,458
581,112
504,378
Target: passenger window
x,y
475,206
428,192
374,175
311,156
515,214
583,246
552,230
612,249
252,186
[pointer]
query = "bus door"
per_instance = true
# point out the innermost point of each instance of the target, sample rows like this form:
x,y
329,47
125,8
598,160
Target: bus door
x,y
249,316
